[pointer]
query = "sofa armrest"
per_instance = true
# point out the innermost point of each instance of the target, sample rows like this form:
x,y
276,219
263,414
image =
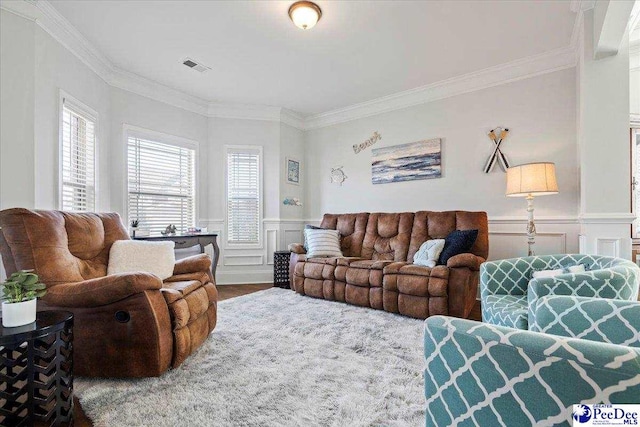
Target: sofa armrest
x,y
603,320
100,291
297,248
465,260
193,264
459,353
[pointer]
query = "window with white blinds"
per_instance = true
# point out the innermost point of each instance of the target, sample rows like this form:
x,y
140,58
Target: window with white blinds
x,y
243,195
77,159
161,182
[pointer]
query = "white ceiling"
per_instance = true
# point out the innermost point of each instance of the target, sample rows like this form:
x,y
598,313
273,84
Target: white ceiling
x,y
359,51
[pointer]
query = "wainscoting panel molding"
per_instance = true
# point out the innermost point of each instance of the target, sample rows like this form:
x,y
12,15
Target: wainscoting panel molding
x,y
608,247
243,260
272,244
292,236
506,244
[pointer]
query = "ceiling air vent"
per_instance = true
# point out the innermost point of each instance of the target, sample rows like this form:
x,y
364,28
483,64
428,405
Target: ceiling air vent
x,y
195,65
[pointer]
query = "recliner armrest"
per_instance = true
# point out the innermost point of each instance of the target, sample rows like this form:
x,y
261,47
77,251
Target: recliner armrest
x,y
466,260
297,248
100,291
193,264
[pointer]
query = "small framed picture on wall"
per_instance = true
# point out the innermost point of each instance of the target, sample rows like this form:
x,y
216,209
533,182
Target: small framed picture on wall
x,y
293,171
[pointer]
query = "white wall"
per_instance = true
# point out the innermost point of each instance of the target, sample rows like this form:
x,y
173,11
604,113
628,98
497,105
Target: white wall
x,y
634,75
128,108
292,146
36,67
253,264
17,157
56,68
540,113
604,150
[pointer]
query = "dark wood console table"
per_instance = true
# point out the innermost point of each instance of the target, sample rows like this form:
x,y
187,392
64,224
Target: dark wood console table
x,y
187,240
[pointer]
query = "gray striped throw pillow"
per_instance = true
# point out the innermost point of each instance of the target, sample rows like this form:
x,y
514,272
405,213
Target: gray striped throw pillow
x,y
323,243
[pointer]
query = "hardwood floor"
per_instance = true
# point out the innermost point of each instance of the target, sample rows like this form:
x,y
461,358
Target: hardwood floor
x,y
224,292
231,291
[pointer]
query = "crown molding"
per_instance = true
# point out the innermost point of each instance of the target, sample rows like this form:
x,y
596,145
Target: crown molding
x,y
243,111
520,69
581,5
292,118
139,85
56,25
518,220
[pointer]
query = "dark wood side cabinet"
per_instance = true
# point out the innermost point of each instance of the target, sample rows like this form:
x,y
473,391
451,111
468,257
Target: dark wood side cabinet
x,y
281,269
187,240
36,371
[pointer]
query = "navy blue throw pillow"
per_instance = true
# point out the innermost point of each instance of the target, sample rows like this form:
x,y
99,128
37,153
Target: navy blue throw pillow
x,y
457,242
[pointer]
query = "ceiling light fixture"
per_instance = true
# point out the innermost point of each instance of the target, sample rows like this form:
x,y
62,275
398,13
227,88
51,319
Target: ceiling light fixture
x,y
305,14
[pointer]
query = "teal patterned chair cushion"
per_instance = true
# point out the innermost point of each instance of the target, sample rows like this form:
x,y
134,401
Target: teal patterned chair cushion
x,y
482,374
594,319
607,277
506,310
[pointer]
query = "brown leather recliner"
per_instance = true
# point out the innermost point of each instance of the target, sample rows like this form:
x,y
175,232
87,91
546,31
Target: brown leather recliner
x,y
377,269
125,325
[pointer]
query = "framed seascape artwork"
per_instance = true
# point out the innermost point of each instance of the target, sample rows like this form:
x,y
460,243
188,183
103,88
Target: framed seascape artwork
x,y
293,171
407,162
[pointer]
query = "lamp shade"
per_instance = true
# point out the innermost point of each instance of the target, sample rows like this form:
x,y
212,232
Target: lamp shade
x,y
536,179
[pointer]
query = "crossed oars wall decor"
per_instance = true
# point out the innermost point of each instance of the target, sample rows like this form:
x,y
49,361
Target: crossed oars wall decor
x,y
497,135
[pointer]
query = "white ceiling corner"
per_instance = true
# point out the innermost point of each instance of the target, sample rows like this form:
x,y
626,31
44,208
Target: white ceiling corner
x,y
60,28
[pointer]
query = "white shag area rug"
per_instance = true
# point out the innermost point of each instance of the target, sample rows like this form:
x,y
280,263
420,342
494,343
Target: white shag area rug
x,y
277,358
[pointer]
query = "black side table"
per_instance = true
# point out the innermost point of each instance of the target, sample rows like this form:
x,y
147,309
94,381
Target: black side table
x,y
36,371
281,269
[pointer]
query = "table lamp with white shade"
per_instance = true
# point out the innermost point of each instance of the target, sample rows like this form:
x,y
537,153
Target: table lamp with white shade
x,y
529,180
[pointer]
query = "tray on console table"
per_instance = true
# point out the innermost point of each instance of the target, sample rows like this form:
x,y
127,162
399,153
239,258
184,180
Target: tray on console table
x,y
187,240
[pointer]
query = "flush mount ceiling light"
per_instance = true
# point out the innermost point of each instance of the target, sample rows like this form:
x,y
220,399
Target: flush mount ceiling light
x,y
305,14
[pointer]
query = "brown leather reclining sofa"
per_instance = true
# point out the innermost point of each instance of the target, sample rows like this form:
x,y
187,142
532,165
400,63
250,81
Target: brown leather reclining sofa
x,y
377,269
125,325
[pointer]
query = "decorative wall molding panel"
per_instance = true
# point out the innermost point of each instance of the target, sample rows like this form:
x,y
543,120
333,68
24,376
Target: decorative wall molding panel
x,y
243,260
240,265
51,21
606,237
610,247
607,218
508,244
502,220
271,239
244,277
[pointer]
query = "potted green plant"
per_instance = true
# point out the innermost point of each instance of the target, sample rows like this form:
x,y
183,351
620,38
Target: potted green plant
x,y
20,293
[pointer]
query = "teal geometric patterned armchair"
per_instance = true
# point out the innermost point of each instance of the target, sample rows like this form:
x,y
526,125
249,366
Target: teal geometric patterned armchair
x,y
594,319
509,292
480,374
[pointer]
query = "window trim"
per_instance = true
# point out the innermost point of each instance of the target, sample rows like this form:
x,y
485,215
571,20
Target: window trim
x,y
82,108
164,138
226,242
